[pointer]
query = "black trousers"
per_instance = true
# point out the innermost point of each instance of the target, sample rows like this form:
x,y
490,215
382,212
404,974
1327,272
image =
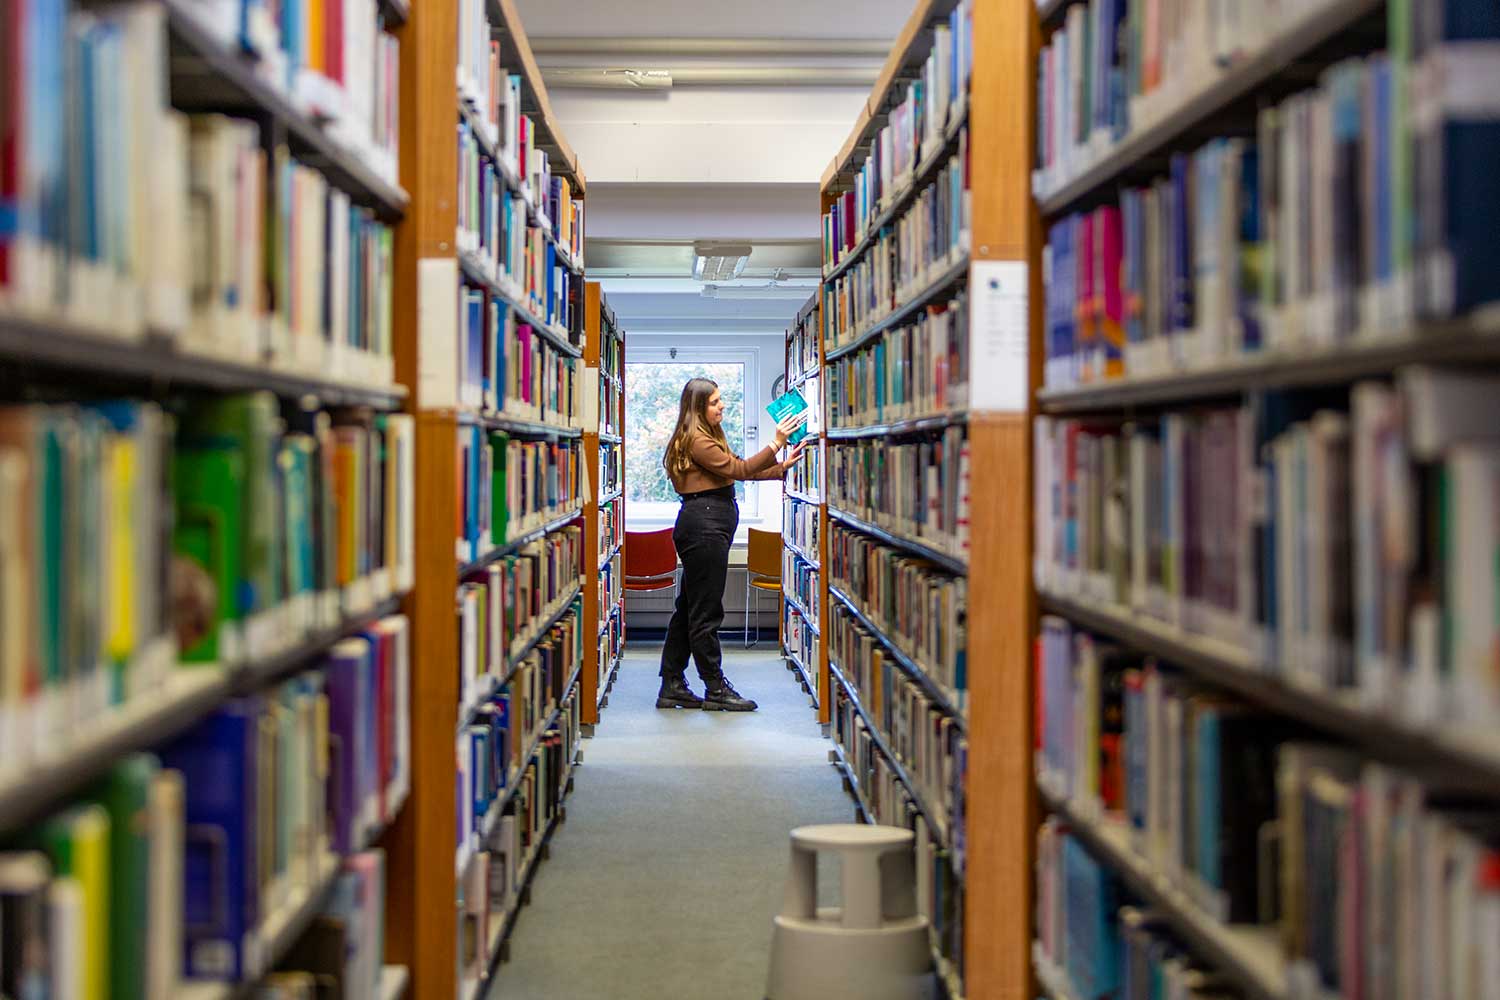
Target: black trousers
x,y
704,530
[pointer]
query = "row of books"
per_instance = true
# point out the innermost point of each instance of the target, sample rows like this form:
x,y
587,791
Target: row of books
x,y
495,97
501,605
800,581
508,368
610,467
490,888
278,520
1092,942
1342,539
802,358
611,642
341,954
295,275
497,226
801,524
511,486
505,724
940,886
920,609
1351,212
917,487
928,238
611,526
1376,876
920,369
799,639
611,394
314,297
328,58
612,583
915,131
921,736
1117,68
806,476
155,877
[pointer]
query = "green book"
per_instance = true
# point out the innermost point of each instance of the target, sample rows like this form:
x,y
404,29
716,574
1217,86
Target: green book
x,y
125,795
77,841
247,423
209,488
789,404
499,497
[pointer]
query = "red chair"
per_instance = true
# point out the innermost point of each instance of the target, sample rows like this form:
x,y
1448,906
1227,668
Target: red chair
x,y
650,560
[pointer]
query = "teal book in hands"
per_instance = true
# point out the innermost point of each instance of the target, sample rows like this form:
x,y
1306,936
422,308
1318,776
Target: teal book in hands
x,y
789,404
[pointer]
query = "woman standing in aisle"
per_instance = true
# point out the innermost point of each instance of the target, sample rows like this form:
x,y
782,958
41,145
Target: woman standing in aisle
x,y
703,470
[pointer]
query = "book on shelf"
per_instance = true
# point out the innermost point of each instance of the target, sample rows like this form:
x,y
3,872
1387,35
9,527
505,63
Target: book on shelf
x,y
929,237
801,523
118,251
501,605
510,486
294,517
513,839
1347,860
343,949
877,783
1354,212
801,581
921,610
611,583
611,525
508,369
938,97
917,369
916,487
610,467
798,638
1337,540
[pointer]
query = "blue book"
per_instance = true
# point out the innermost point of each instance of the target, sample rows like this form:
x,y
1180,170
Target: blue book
x,y
345,690
219,762
1181,247
790,404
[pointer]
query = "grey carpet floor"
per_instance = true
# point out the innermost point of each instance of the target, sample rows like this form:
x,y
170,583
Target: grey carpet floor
x,y
663,880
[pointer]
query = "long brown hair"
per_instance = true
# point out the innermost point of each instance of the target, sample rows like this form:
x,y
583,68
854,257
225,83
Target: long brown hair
x,y
691,421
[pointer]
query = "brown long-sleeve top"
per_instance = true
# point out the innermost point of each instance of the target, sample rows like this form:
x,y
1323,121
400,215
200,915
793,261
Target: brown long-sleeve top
x,y
715,466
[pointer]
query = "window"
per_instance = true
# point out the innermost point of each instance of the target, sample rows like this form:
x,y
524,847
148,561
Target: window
x,y
653,388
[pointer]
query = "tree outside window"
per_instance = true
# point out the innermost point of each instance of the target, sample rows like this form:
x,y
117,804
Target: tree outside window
x,y
653,390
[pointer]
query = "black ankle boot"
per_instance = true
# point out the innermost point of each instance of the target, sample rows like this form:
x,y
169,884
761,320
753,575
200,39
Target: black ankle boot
x,y
676,694
721,697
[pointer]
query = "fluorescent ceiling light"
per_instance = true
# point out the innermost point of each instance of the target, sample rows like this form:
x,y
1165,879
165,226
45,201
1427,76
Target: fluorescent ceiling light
x,y
720,261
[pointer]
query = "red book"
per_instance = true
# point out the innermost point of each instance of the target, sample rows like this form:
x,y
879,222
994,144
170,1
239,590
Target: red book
x,y
1087,335
1109,251
333,40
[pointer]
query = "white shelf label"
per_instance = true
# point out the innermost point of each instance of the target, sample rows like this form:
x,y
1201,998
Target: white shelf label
x,y
998,336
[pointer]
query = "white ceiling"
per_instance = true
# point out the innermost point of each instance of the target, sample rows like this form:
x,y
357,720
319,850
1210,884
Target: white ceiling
x,y
715,18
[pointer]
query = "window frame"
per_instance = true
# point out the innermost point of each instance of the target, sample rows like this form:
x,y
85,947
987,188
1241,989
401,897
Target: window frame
x,y
647,514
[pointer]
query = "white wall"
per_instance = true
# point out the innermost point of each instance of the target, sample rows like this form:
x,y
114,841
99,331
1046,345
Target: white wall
x,y
715,18
717,135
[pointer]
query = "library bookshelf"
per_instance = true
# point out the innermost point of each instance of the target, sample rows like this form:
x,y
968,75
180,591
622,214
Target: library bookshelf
x,y
489,288
1344,364
164,424
804,522
604,503
965,158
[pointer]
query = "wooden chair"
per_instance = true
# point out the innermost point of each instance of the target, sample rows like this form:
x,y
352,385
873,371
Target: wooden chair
x,y
762,573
